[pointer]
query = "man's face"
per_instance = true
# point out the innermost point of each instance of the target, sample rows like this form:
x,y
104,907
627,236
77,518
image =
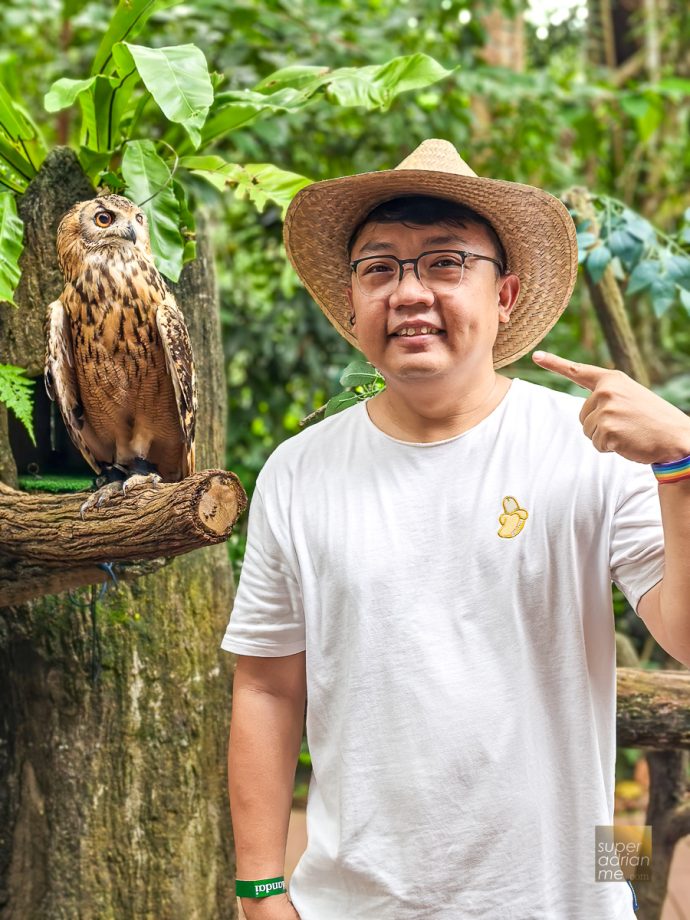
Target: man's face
x,y
467,316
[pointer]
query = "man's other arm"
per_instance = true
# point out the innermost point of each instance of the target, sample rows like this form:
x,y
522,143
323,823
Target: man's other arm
x,y
665,608
268,702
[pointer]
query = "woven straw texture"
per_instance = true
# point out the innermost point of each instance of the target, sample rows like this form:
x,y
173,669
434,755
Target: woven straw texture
x,y
535,228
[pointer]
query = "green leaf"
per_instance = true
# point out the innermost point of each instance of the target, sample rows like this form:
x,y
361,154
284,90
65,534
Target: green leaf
x,y
678,270
128,20
619,273
642,276
64,92
20,135
148,184
638,227
260,182
11,245
187,223
12,120
646,110
597,260
94,110
296,76
674,86
237,109
414,71
103,102
359,373
340,402
293,88
15,170
685,299
584,241
15,392
663,293
628,248
177,77
112,181
70,8
376,87
94,162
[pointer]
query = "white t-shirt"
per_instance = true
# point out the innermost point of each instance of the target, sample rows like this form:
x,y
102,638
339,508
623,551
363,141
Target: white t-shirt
x,y
454,601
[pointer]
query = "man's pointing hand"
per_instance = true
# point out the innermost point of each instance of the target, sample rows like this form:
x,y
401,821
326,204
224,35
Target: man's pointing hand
x,y
623,416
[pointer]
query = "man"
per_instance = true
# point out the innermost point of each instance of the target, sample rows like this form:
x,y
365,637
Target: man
x,y
432,570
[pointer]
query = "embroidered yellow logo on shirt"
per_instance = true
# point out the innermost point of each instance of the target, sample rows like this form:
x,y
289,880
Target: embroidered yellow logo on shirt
x,y
513,520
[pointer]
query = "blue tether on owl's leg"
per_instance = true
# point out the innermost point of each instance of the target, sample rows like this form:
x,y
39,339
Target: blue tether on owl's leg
x,y
95,635
96,595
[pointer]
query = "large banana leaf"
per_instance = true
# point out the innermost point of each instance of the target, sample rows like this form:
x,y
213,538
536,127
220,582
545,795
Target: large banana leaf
x,y
11,245
149,185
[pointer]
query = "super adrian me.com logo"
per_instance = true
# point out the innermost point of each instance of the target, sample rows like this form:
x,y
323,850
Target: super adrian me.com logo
x,y
623,852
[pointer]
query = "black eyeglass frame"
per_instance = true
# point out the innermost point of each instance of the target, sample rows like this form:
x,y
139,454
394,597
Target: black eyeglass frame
x,y
463,253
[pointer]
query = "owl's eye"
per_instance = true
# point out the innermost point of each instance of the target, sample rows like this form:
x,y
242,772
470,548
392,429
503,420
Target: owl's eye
x,y
140,218
104,218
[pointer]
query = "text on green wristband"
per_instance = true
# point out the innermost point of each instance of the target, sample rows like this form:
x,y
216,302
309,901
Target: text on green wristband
x,y
261,888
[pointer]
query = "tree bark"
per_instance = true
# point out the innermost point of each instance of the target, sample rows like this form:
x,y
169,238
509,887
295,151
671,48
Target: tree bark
x,y
668,814
114,715
653,709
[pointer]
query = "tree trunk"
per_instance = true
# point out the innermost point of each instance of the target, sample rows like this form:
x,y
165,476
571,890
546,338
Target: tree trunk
x,y
112,739
668,814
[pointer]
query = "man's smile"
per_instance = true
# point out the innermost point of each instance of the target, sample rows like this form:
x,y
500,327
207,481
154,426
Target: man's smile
x,y
416,329
417,337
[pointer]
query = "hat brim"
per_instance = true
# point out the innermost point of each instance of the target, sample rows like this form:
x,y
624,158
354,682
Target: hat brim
x,y
535,228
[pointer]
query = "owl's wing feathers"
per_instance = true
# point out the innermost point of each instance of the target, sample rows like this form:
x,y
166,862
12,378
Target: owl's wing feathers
x,y
61,382
180,364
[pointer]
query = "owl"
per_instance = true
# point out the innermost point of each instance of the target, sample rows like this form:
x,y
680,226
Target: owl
x,y
119,360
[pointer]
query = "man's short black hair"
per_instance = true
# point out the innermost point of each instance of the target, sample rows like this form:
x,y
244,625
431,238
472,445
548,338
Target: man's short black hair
x,y
424,210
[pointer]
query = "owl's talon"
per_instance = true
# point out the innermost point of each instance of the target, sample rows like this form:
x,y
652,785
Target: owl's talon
x,y
141,479
101,496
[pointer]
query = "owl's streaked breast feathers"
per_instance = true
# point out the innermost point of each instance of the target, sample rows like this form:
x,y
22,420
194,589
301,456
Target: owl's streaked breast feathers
x,y
119,361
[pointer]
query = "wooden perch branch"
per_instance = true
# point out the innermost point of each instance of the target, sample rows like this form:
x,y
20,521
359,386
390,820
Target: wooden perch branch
x,y
653,709
45,546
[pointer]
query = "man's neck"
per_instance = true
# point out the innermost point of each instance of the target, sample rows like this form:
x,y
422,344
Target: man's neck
x,y
419,413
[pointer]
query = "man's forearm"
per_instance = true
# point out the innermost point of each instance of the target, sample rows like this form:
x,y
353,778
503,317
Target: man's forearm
x,y
675,587
265,738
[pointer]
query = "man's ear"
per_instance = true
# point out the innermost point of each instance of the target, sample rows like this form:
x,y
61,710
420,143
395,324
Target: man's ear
x,y
348,294
507,296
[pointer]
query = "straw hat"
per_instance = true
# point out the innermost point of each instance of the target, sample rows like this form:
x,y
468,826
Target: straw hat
x,y
535,228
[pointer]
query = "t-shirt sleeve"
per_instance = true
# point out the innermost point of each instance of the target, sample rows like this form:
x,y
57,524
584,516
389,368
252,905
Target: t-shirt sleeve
x,y
637,537
267,618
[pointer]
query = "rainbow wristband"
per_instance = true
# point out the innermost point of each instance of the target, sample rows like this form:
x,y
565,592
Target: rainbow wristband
x,y
672,472
263,888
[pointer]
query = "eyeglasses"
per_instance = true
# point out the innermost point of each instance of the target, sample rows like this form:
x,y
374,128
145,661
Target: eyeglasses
x,y
438,270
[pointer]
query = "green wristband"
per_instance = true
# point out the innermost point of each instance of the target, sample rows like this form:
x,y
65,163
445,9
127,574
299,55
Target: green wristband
x,y
263,888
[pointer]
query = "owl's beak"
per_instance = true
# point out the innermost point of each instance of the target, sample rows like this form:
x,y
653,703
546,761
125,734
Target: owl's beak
x,y
130,233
